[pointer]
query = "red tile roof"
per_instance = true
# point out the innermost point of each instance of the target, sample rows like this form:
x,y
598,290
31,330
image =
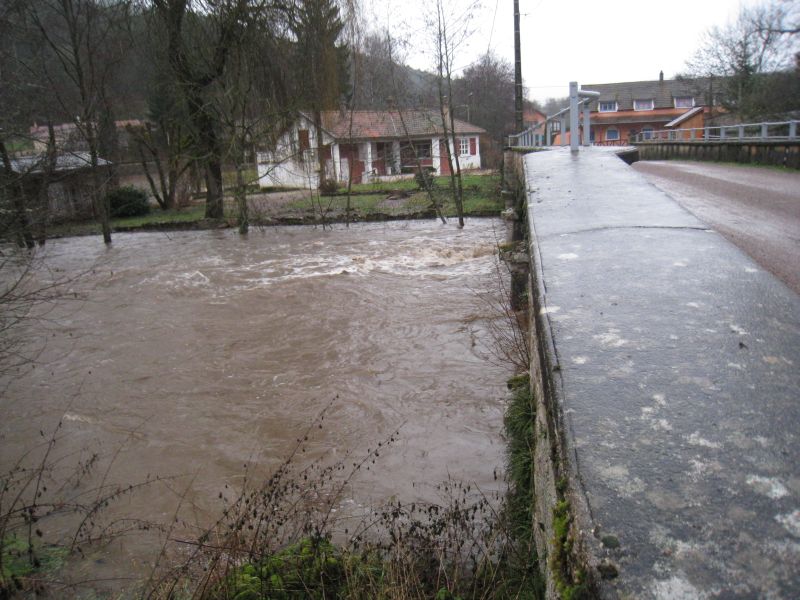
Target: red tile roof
x,y
639,116
390,124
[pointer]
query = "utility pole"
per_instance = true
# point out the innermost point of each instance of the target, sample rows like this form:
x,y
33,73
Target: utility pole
x,y
518,118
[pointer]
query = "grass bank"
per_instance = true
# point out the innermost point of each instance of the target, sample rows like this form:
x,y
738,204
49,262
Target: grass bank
x,y
369,202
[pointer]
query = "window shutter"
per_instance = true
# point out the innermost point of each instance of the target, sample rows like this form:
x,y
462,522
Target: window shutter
x,y
473,146
303,140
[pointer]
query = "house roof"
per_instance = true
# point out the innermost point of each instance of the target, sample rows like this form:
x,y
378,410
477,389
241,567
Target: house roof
x,y
533,114
64,162
659,115
42,131
687,115
390,124
662,92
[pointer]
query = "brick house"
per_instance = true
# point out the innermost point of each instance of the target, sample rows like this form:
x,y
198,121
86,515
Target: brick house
x,y
373,145
625,109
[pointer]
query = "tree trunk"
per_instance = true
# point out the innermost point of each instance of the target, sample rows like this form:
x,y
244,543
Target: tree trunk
x,y
459,182
42,208
21,226
215,208
209,145
99,198
241,199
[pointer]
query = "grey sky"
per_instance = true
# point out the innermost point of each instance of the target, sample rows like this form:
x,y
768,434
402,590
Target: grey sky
x,y
614,40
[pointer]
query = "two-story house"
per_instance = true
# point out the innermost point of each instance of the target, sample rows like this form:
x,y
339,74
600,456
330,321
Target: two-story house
x,y
625,109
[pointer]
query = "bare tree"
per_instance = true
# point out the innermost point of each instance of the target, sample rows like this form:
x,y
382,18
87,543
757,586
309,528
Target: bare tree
x,y
450,31
199,37
780,17
85,41
736,63
485,92
317,26
252,102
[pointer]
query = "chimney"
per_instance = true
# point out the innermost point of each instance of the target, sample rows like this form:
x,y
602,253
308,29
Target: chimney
x,y
661,76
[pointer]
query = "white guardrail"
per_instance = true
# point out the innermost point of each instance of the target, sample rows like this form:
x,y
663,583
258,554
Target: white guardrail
x,y
578,99
749,132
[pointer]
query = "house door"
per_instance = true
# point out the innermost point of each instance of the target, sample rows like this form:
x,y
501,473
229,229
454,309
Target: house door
x,y
444,166
348,153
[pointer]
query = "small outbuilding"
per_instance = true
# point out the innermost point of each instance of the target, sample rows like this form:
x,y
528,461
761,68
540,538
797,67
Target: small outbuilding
x,y
68,183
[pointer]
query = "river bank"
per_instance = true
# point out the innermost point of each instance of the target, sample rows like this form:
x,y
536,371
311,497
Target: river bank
x,y
398,201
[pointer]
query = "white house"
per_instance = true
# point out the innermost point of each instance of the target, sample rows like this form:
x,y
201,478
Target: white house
x,y
374,145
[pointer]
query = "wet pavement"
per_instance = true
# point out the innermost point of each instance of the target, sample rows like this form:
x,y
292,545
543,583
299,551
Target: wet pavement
x,y
678,375
756,208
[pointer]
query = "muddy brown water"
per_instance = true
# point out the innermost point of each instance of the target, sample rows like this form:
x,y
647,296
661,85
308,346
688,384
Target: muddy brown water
x,y
193,354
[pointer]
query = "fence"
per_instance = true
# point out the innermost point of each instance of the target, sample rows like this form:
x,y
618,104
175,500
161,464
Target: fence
x,y
578,100
745,132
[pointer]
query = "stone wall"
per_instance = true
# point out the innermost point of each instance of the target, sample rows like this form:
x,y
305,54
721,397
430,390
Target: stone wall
x,y
553,474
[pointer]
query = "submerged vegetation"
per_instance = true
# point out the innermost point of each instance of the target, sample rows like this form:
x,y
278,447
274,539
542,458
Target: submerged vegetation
x,y
280,539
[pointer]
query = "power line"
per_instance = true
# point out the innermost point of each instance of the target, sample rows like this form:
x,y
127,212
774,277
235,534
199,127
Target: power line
x,y
491,33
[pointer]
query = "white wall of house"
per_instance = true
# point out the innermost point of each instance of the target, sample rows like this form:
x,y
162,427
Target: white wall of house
x,y
289,166
467,160
294,162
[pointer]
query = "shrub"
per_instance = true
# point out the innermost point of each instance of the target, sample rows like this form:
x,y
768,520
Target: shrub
x,y
328,187
424,178
128,202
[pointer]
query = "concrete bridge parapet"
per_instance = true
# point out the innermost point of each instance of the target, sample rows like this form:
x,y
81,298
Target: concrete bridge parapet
x,y
783,153
665,370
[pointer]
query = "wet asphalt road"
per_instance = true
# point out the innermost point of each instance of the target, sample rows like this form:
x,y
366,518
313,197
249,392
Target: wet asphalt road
x,y
756,208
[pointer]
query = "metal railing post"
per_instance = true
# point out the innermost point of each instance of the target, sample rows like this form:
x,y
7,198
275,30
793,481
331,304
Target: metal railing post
x,y
705,133
587,126
563,124
722,133
549,133
792,130
741,132
764,131
574,115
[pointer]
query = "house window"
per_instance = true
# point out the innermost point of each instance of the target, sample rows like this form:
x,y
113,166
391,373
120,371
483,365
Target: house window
x,y
612,135
647,133
684,102
463,146
647,104
423,149
608,106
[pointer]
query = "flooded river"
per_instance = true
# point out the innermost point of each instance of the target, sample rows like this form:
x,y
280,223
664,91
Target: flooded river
x,y
195,353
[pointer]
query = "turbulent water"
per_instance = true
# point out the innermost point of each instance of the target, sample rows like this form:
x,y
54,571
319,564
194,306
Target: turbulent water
x,y
193,354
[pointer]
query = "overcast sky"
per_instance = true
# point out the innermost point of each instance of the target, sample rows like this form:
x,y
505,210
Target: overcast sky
x,y
613,40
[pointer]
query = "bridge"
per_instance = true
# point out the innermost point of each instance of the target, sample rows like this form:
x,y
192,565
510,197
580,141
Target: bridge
x,y
765,143
665,376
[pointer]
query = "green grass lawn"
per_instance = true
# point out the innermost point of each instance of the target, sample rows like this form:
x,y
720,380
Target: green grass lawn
x,y
486,183
481,197
154,217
